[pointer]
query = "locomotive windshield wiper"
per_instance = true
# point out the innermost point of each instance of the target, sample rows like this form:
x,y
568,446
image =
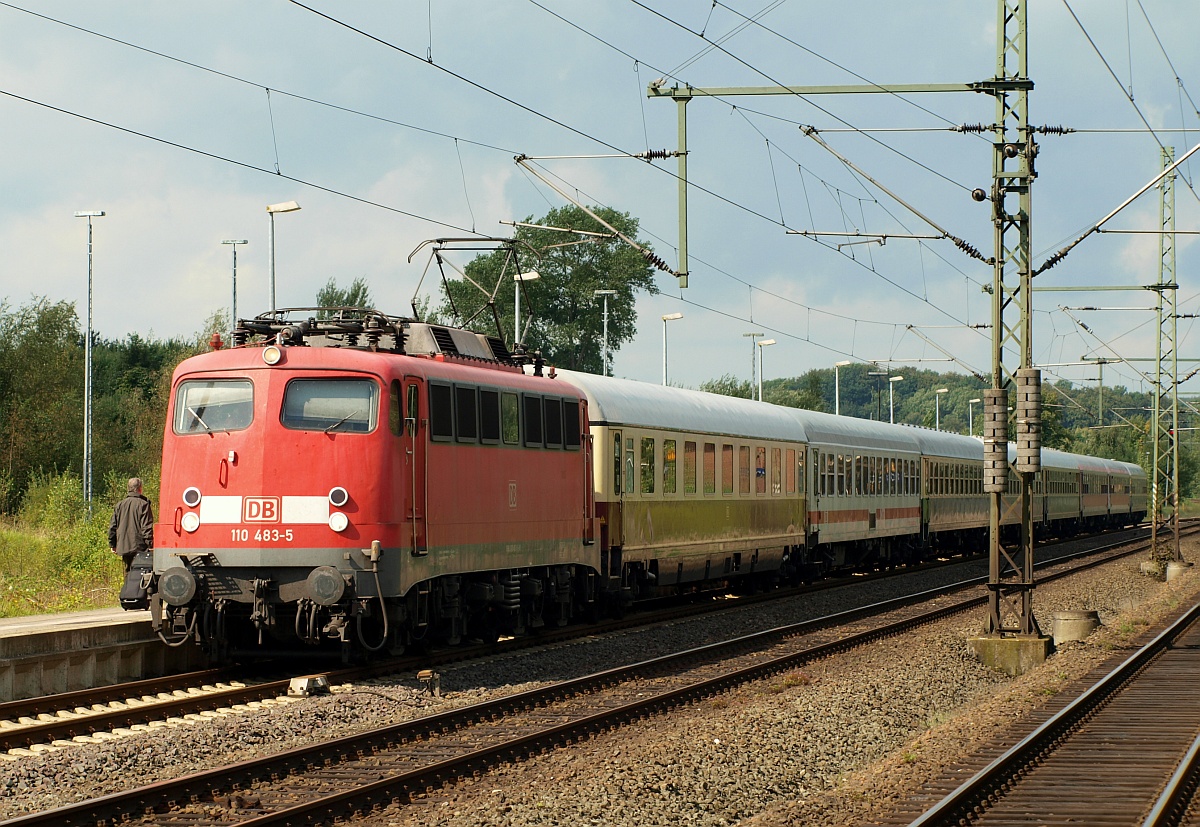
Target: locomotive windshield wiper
x,y
199,419
340,421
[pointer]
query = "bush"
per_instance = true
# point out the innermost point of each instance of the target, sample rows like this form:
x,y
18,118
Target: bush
x,y
56,556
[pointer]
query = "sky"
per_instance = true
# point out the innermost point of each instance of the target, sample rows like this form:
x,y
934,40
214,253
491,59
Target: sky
x,y
395,123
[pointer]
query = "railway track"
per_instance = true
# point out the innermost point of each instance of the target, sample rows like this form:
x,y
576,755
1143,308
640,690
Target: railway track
x,y
57,720
324,781
1122,753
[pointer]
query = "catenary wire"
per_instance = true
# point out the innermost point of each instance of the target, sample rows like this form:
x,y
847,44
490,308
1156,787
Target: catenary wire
x,y
235,162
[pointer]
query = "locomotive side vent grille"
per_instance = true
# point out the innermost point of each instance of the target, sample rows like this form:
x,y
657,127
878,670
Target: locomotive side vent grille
x,y
444,340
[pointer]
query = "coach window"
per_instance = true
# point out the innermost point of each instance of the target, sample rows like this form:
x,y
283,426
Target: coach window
x,y
857,486
710,468
760,470
726,469
841,475
489,416
203,406
669,481
510,418
789,460
689,468
554,422
647,465
616,462
395,414
571,425
744,469
830,475
330,405
801,480
466,414
533,422
776,472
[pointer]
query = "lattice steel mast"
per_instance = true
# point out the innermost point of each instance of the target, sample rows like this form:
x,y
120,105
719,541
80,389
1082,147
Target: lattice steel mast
x,y
1010,603
1164,490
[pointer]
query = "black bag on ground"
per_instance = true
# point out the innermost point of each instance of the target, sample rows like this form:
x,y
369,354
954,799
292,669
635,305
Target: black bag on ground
x,y
137,581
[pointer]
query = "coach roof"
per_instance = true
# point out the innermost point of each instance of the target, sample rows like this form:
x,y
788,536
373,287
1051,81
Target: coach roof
x,y
625,402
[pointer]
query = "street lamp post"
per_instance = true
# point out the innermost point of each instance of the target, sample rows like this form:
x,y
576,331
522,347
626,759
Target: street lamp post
x,y
937,396
517,279
764,343
668,317
286,206
87,370
971,415
233,312
892,398
752,337
604,341
837,387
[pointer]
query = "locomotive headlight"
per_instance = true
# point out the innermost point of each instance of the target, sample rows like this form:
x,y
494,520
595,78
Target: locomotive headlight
x,y
338,496
272,354
177,586
338,521
190,521
191,497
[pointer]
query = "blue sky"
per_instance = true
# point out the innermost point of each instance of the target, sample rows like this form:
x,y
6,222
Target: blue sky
x,y
455,89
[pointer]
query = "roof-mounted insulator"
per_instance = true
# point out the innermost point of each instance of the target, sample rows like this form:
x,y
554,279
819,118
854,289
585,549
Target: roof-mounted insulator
x,y
374,332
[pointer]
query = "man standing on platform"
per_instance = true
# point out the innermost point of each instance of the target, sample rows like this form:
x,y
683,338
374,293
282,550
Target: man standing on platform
x,y
132,527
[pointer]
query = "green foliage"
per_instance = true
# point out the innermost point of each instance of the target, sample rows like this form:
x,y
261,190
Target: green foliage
x,y
358,294
805,392
41,401
563,315
729,385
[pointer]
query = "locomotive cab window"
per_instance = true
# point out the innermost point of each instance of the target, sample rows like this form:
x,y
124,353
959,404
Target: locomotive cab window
x,y
345,406
395,409
209,405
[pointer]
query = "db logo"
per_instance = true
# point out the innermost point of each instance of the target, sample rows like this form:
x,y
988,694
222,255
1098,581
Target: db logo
x,y
260,510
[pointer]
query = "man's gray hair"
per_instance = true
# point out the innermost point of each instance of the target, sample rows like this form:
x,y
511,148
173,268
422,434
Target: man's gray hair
x,y
134,486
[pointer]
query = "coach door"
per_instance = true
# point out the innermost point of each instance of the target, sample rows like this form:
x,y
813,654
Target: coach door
x,y
415,441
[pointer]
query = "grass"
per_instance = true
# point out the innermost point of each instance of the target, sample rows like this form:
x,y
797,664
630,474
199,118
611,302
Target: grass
x,y
43,572
53,556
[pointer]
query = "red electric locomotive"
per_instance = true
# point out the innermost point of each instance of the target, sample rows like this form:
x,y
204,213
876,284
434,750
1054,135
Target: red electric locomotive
x,y
307,477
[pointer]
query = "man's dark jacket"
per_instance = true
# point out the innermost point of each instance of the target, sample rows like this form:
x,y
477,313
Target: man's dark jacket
x,y
132,526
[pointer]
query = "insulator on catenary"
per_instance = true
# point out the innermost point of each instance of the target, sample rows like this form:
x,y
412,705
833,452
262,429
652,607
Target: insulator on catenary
x,y
1054,130
967,248
971,127
656,261
656,154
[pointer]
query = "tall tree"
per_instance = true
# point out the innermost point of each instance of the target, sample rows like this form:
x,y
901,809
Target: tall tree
x,y
358,294
560,309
